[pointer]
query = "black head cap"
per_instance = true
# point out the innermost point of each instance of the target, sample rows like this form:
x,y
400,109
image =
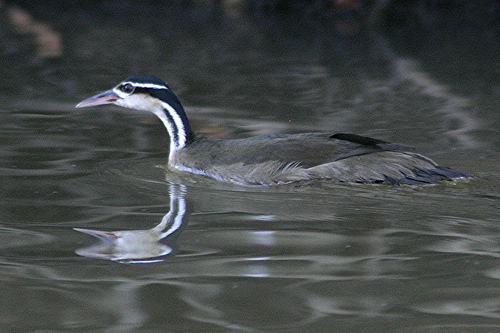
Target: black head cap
x,y
146,79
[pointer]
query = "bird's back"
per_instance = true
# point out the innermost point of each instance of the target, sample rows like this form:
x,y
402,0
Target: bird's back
x,y
274,159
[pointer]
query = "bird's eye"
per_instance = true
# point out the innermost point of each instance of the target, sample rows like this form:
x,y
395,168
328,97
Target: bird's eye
x,y
127,88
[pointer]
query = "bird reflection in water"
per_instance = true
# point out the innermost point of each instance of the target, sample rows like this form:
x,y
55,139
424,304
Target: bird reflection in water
x,y
141,246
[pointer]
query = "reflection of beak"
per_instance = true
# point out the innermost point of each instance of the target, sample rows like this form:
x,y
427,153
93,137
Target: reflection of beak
x,y
102,235
106,97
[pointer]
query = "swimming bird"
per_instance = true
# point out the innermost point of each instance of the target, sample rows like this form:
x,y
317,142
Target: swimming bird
x,y
273,159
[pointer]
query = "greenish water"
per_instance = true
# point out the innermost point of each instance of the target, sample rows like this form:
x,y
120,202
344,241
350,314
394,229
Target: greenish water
x,y
184,253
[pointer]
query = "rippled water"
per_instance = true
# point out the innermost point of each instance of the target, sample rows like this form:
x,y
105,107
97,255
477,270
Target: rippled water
x,y
177,253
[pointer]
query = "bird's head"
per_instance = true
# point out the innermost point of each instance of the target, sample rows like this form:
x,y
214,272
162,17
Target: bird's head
x,y
146,92
141,92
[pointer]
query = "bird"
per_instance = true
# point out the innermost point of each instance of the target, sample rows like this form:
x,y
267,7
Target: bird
x,y
273,159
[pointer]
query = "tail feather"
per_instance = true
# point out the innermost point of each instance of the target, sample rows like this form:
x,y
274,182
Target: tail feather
x,y
428,177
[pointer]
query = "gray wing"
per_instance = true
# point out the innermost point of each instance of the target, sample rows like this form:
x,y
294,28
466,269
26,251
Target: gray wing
x,y
308,150
278,159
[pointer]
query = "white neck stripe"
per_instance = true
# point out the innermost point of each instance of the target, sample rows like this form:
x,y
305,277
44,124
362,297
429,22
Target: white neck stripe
x,y
178,125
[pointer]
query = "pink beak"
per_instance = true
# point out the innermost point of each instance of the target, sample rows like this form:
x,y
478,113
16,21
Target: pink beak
x,y
106,97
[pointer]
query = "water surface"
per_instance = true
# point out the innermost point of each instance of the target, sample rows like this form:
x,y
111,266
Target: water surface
x,y
184,253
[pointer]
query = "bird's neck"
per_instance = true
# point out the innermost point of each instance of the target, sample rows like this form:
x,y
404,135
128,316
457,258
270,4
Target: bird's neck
x,y
177,125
